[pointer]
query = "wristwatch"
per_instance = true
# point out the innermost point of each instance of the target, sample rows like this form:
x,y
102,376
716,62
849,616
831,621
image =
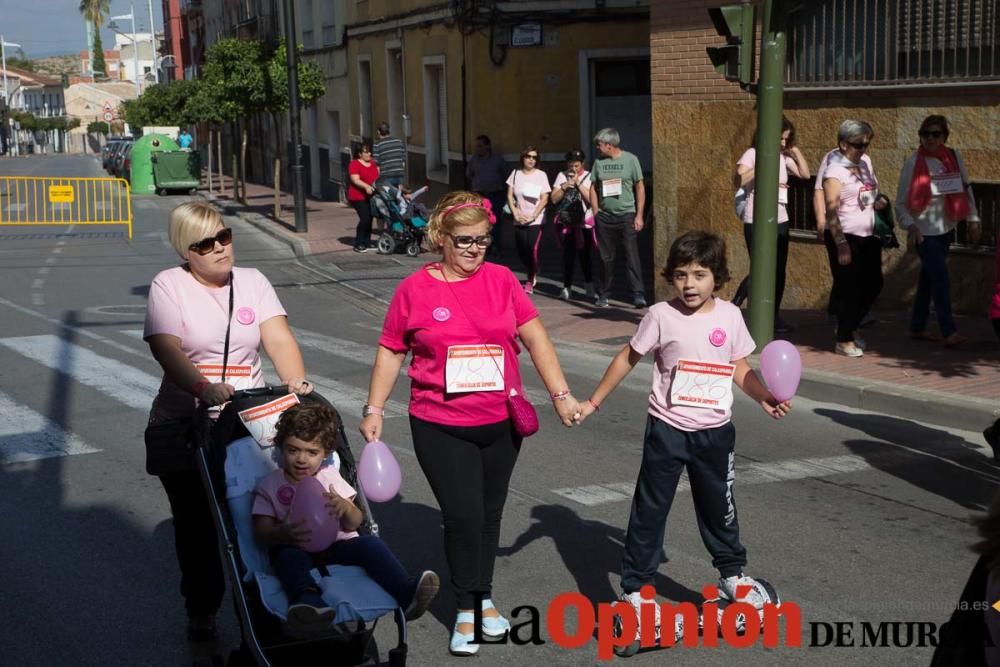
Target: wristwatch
x,y
372,410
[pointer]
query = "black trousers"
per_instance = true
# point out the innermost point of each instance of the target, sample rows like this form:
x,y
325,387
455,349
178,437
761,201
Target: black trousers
x,y
709,458
363,233
578,242
833,304
526,240
743,291
202,580
858,284
469,469
612,229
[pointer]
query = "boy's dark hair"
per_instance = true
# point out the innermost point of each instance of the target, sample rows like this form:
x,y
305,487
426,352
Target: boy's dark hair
x,y
309,422
697,247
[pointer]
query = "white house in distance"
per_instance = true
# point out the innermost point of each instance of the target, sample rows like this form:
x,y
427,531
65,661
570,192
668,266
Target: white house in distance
x,y
146,64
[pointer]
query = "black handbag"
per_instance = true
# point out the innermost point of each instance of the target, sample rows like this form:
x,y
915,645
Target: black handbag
x,y
170,444
885,226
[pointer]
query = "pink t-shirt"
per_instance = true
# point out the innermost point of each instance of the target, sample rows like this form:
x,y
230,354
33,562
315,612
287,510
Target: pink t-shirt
x,y
427,316
273,495
857,198
749,159
719,336
528,189
181,306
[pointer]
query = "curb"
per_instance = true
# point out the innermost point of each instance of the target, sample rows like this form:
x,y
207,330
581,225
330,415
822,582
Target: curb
x,y
899,401
267,225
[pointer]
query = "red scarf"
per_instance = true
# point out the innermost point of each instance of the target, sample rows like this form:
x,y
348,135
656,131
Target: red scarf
x,y
956,205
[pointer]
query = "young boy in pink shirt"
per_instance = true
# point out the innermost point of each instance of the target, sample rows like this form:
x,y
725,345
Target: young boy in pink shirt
x,y
700,345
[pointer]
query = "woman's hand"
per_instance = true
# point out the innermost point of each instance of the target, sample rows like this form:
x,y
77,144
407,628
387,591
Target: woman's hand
x,y
974,230
568,410
843,254
371,427
300,386
217,394
916,237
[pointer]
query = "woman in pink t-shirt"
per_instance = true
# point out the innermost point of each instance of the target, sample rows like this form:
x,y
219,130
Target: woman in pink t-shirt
x,y
527,194
190,308
850,190
445,315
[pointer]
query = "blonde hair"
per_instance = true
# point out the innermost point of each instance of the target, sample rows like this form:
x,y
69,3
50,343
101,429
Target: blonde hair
x,y
190,223
442,222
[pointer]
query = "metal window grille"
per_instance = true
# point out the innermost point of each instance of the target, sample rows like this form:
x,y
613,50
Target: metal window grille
x,y
864,43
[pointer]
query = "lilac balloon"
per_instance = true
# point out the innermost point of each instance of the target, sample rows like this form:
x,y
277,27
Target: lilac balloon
x,y
378,472
309,505
781,366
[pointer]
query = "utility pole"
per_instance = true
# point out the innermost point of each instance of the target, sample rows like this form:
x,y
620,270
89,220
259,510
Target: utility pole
x,y
152,35
770,102
295,120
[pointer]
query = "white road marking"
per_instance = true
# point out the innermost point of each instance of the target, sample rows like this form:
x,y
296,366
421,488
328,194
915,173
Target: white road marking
x,y
44,271
50,260
25,435
348,399
144,203
37,283
747,474
37,299
131,333
122,382
15,207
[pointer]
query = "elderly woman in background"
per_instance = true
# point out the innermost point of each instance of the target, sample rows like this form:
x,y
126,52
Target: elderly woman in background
x,y
933,196
463,433
202,315
850,191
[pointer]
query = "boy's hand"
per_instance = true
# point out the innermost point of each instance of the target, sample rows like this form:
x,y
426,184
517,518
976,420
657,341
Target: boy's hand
x,y
337,505
586,409
293,533
775,409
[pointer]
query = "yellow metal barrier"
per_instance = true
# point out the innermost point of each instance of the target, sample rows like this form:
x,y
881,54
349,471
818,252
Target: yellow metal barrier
x,y
28,200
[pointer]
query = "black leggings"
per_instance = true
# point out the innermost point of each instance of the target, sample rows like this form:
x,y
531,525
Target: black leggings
x,y
743,291
526,239
469,469
363,233
858,284
579,242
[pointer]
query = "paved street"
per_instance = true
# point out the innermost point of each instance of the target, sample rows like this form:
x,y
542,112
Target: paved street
x,y
855,516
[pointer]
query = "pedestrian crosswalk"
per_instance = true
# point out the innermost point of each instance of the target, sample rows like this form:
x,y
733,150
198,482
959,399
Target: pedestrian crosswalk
x,y
25,435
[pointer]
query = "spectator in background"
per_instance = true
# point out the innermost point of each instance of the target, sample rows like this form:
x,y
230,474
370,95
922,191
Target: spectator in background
x,y
487,173
528,192
389,154
619,198
574,222
184,140
363,172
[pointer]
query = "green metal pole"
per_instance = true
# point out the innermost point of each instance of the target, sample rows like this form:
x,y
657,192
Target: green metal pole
x,y
765,203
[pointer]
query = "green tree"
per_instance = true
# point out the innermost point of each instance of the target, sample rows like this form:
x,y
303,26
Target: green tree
x,y
204,106
94,11
98,127
160,104
99,66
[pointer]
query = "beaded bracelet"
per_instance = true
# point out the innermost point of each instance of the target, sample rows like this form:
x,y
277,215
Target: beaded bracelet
x,y
560,395
595,404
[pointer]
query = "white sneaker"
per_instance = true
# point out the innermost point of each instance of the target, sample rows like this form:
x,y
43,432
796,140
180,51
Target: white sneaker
x,y
727,590
848,350
636,600
564,294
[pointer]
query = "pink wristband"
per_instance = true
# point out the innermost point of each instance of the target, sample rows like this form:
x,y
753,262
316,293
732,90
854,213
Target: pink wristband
x,y
199,387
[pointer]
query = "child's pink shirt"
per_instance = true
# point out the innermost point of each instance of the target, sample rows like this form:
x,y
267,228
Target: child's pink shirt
x,y
427,316
718,336
274,494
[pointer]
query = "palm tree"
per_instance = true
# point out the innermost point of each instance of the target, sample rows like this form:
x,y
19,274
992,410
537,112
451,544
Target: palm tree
x,y
93,13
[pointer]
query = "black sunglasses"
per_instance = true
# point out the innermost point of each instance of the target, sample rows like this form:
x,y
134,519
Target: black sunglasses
x,y
464,242
929,134
860,145
532,156
207,245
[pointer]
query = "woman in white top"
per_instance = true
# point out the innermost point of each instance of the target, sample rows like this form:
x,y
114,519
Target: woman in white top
x,y
527,194
792,162
575,222
932,197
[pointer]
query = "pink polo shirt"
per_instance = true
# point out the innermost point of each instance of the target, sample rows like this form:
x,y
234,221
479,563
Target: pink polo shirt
x,y
719,336
427,316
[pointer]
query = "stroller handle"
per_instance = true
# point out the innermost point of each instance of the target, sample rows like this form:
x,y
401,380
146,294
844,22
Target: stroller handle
x,y
267,390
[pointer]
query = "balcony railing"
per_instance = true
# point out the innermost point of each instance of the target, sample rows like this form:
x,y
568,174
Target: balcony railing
x,y
894,42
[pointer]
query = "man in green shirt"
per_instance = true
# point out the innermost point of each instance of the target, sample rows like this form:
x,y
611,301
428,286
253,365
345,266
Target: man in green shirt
x,y
619,199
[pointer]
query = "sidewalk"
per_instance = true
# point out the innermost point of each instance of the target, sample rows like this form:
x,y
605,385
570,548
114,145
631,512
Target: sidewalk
x,y
911,379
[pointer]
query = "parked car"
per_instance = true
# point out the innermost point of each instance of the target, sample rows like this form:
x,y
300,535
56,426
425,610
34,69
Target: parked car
x,y
126,167
106,152
118,158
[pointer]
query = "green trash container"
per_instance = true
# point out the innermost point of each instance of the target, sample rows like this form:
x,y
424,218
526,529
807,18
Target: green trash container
x,y
141,157
176,170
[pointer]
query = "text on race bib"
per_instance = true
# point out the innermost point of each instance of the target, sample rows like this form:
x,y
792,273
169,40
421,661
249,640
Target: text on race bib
x,y
239,376
474,368
947,184
262,421
532,191
702,384
611,187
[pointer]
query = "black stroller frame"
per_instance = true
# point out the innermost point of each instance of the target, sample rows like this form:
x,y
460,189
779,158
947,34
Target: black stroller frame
x,y
263,640
408,236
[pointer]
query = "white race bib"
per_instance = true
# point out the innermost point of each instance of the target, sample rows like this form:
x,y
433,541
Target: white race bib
x,y
239,377
611,187
947,184
782,195
532,191
703,384
867,196
262,421
474,368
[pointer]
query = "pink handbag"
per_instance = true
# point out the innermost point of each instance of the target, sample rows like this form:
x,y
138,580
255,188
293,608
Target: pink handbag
x,y
522,414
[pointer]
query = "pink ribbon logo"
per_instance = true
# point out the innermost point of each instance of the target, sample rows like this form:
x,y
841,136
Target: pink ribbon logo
x,y
246,315
441,314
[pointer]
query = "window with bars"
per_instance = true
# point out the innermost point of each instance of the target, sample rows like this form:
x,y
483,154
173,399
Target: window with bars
x,y
894,42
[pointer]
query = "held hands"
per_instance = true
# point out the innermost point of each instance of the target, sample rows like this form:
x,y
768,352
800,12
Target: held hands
x,y
371,427
568,410
217,394
587,408
300,386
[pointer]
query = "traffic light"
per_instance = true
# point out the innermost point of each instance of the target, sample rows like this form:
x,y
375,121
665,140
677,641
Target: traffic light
x,y
735,60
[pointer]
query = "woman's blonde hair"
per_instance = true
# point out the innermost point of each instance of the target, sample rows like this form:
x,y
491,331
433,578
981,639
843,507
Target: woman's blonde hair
x,y
444,220
190,223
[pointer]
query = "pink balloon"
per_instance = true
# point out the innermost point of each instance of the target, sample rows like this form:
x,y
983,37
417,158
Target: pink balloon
x,y
309,505
378,472
781,366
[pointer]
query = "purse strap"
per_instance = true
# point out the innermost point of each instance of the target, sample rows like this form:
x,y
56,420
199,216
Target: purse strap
x,y
229,324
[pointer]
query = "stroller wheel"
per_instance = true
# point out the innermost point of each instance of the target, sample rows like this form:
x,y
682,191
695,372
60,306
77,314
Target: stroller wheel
x,y
386,244
413,249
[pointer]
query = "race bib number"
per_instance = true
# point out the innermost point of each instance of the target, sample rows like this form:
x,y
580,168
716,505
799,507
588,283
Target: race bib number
x,y
474,368
782,195
262,421
611,187
532,191
701,384
867,196
240,377
947,184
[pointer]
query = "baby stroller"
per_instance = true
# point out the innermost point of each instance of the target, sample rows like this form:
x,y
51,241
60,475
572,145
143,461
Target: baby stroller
x,y
230,463
403,229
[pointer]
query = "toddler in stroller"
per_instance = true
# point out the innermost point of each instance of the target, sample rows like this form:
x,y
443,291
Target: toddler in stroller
x,y
405,219
306,435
